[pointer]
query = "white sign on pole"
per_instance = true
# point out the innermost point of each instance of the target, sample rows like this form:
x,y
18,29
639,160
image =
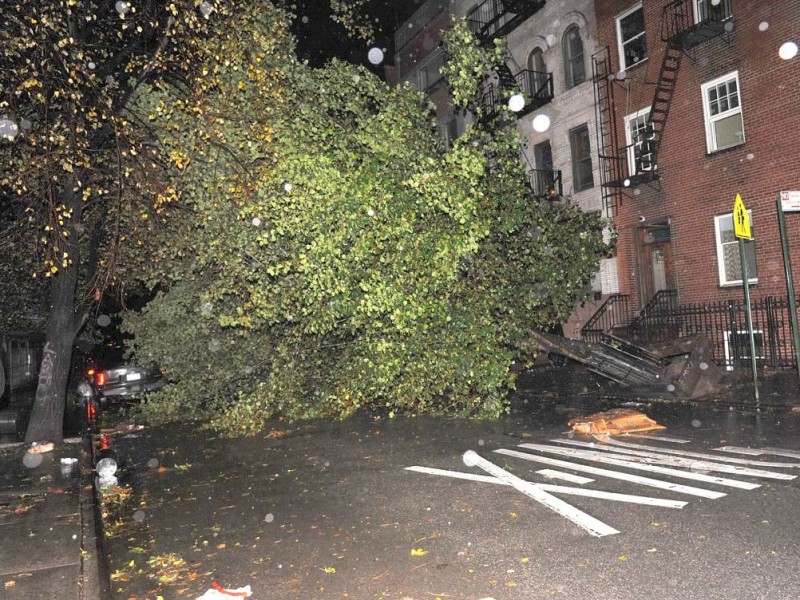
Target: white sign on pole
x,y
790,201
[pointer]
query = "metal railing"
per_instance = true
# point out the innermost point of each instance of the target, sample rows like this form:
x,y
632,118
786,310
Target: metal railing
x,y
679,16
614,312
537,88
725,324
656,321
546,184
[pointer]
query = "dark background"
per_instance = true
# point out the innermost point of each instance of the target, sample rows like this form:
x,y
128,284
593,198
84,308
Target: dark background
x,y
320,39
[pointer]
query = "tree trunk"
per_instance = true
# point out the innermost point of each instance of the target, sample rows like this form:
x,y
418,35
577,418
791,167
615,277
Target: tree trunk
x,y
47,418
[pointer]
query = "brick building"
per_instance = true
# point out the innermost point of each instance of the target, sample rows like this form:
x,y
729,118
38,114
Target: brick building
x,y
695,106
661,111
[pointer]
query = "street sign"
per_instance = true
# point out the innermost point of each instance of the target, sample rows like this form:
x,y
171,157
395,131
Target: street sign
x,y
790,201
741,220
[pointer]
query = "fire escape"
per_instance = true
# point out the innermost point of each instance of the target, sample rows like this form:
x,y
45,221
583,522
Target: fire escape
x,y
626,166
623,167
494,19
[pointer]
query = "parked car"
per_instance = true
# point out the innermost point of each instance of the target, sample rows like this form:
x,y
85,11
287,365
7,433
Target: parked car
x,y
120,382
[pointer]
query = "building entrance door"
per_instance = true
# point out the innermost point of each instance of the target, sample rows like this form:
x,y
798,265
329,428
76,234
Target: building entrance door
x,y
655,261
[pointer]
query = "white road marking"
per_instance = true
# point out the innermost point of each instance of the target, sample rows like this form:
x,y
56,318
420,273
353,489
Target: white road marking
x,y
648,481
622,461
728,459
737,450
553,474
675,461
657,438
559,489
580,518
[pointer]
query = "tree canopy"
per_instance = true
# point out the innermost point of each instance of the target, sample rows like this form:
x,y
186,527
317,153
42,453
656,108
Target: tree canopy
x,y
309,244
316,249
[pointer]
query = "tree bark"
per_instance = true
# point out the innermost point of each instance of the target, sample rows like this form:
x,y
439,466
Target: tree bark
x,y
47,418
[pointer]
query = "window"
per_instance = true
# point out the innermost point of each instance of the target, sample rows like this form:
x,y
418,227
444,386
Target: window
x,y
723,113
430,74
718,10
573,57
737,348
582,178
729,263
640,151
631,38
538,69
448,130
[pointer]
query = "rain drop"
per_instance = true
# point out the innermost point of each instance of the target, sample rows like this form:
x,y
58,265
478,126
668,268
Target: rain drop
x,y
91,65
206,308
256,221
269,518
31,461
122,7
516,103
751,156
138,516
541,123
481,442
696,423
152,463
703,366
8,129
763,26
371,212
206,8
304,19
788,51
375,56
287,187
670,388
470,458
214,345
103,321
25,124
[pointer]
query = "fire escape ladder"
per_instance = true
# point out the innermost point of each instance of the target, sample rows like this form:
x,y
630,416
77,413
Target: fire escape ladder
x,y
659,109
606,127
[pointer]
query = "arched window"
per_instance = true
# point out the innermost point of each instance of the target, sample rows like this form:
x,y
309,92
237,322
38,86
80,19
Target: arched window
x,y
538,72
573,57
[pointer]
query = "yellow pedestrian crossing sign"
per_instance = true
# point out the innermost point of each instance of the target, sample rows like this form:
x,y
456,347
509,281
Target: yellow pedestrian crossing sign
x,y
741,220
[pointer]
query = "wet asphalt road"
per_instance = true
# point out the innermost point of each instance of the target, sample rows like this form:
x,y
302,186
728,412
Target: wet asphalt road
x,y
325,510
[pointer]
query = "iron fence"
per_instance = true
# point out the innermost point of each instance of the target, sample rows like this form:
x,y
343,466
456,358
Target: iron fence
x,y
725,324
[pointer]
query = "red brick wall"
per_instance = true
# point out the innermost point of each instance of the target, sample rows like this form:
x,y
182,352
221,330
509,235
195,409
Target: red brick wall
x,y
696,186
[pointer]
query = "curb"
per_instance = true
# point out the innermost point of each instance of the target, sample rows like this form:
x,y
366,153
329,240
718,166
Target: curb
x,y
95,583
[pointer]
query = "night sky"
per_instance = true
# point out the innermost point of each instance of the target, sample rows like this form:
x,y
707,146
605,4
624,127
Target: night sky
x,y
320,39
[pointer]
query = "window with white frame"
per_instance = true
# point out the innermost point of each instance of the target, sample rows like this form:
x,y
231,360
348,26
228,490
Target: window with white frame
x,y
737,348
631,41
722,108
728,258
639,142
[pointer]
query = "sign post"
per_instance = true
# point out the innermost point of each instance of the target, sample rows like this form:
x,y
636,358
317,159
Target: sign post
x,y
789,202
742,231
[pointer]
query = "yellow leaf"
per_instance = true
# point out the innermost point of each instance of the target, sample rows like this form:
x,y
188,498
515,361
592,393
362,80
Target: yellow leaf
x,y
418,552
329,570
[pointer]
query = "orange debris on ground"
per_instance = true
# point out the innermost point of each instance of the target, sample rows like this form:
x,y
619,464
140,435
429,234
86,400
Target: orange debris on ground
x,y
614,422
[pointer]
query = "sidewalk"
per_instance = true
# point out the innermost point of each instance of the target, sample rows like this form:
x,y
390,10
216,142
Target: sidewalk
x,y
47,522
